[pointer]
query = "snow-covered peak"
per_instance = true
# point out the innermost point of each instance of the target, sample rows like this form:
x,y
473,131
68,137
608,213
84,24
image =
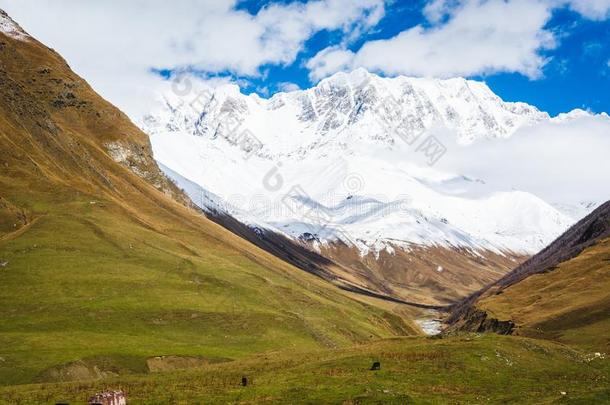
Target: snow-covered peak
x,y
330,162
577,114
11,28
353,79
345,109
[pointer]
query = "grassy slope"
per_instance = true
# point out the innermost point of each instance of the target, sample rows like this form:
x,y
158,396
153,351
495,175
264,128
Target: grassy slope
x,y
466,369
103,266
570,304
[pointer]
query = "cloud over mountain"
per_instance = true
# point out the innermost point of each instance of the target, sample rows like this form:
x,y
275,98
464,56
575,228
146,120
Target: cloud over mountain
x,y
118,45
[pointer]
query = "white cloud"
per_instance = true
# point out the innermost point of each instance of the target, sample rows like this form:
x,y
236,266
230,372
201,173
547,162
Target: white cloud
x,y
329,61
114,43
436,10
464,38
592,9
288,86
479,37
561,162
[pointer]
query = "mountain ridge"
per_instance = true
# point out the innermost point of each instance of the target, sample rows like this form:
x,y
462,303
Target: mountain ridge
x,y
371,116
342,100
342,169
545,296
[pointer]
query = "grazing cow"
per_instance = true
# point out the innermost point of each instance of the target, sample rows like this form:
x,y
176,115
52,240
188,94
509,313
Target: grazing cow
x,y
244,381
376,366
3,263
108,398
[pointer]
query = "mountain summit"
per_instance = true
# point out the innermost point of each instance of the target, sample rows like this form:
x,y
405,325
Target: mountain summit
x,y
347,170
346,107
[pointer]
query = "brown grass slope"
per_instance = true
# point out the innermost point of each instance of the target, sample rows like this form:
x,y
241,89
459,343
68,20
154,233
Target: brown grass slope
x,y
562,293
407,278
414,275
103,262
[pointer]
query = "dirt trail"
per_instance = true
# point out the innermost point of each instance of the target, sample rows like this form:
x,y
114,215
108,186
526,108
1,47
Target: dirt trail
x,y
20,231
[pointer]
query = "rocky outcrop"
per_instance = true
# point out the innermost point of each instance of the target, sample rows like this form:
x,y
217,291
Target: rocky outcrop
x,y
139,159
476,320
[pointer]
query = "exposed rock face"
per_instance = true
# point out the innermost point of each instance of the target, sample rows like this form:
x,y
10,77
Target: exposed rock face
x,y
138,158
480,321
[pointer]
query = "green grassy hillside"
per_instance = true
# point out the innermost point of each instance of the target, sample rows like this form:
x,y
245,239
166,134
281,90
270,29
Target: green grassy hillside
x,y
108,266
86,280
472,369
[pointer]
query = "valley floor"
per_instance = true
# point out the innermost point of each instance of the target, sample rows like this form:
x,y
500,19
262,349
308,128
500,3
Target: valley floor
x,y
458,369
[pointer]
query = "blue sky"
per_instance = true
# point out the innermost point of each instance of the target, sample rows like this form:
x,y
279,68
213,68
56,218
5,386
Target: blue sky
x,y
554,54
577,74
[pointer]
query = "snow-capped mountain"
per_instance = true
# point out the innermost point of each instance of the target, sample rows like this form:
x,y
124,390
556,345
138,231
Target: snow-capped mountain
x,y
350,163
345,108
340,145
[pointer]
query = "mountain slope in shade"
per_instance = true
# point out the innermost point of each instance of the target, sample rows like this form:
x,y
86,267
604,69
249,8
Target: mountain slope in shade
x,y
562,293
103,262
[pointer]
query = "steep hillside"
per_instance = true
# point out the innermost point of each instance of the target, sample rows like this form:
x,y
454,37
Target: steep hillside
x,y
562,293
103,262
